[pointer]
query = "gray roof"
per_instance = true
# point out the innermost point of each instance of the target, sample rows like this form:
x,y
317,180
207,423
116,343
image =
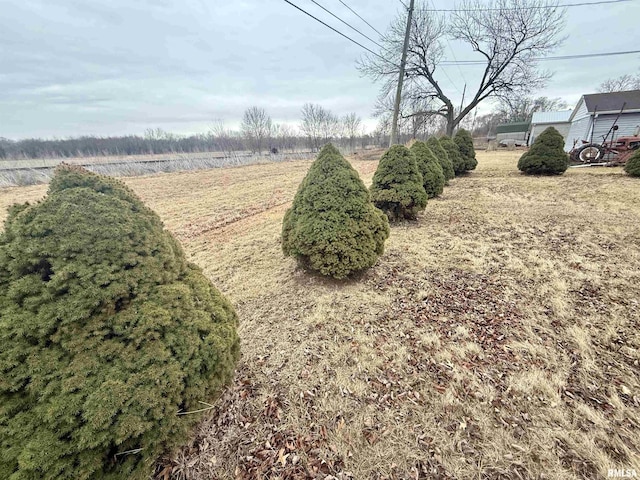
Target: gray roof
x,y
551,117
610,102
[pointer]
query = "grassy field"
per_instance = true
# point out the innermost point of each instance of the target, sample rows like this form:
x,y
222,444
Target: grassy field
x,y
497,337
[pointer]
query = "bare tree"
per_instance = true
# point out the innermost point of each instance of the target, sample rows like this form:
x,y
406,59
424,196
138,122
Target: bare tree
x,y
222,137
351,126
508,35
520,108
620,84
415,119
312,124
383,131
257,128
319,125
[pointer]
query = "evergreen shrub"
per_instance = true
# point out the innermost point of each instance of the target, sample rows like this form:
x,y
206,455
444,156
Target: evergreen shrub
x,y
546,156
441,154
432,174
397,187
106,333
332,226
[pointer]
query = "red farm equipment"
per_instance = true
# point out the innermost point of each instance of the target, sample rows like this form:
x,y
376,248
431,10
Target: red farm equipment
x,y
610,153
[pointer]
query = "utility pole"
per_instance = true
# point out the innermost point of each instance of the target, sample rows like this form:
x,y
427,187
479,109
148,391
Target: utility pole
x,y
396,109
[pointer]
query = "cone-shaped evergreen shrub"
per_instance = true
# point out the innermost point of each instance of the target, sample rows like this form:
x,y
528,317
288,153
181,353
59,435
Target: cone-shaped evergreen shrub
x,y
332,226
106,333
441,154
632,167
546,156
464,140
397,187
432,174
453,152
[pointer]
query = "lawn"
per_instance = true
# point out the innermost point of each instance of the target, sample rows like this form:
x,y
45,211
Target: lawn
x,y
497,337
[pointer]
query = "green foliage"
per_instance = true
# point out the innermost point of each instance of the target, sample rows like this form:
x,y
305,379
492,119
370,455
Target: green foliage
x,y
546,156
106,332
464,140
332,226
397,187
441,154
453,152
632,167
432,174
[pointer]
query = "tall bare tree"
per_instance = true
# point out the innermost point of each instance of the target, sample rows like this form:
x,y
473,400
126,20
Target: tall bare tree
x,y
507,35
319,125
620,84
351,126
257,128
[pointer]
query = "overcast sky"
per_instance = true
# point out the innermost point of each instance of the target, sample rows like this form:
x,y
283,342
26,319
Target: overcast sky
x,y
78,67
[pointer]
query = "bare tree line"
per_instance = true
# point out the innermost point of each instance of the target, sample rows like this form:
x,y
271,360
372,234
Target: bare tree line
x,y
258,134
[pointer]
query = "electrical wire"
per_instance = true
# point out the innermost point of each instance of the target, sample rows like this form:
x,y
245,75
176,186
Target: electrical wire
x,y
455,60
466,62
540,59
347,24
339,32
357,15
540,7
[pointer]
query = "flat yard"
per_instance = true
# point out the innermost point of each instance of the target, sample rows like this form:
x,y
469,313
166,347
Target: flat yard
x,y
497,337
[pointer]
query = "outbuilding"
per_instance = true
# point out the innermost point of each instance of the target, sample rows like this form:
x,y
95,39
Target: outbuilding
x,y
510,134
540,121
595,115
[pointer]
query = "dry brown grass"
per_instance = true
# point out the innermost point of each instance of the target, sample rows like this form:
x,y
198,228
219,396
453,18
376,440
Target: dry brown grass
x,y
496,338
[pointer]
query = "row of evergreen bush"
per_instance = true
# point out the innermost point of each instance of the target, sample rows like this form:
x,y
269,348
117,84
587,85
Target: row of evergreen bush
x,y
108,333
337,227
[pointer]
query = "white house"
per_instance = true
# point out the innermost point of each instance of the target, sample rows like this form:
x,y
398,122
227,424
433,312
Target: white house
x,y
540,121
595,114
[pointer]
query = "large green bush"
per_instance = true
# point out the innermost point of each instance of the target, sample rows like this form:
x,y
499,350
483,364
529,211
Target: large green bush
x,y
441,154
546,156
464,140
453,152
332,226
632,166
106,333
397,187
432,174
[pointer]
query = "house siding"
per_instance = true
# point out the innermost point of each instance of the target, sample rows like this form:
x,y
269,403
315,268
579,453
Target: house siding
x,y
579,130
627,125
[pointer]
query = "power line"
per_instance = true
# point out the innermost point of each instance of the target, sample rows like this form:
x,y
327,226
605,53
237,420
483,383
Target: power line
x,y
466,62
561,57
540,7
357,15
347,24
338,32
454,58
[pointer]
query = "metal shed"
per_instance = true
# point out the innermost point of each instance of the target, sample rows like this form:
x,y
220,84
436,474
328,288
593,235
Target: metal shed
x,y
540,121
596,113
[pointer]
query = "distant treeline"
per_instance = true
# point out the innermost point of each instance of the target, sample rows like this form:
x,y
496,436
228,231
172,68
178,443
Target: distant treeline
x,y
128,145
153,144
257,134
